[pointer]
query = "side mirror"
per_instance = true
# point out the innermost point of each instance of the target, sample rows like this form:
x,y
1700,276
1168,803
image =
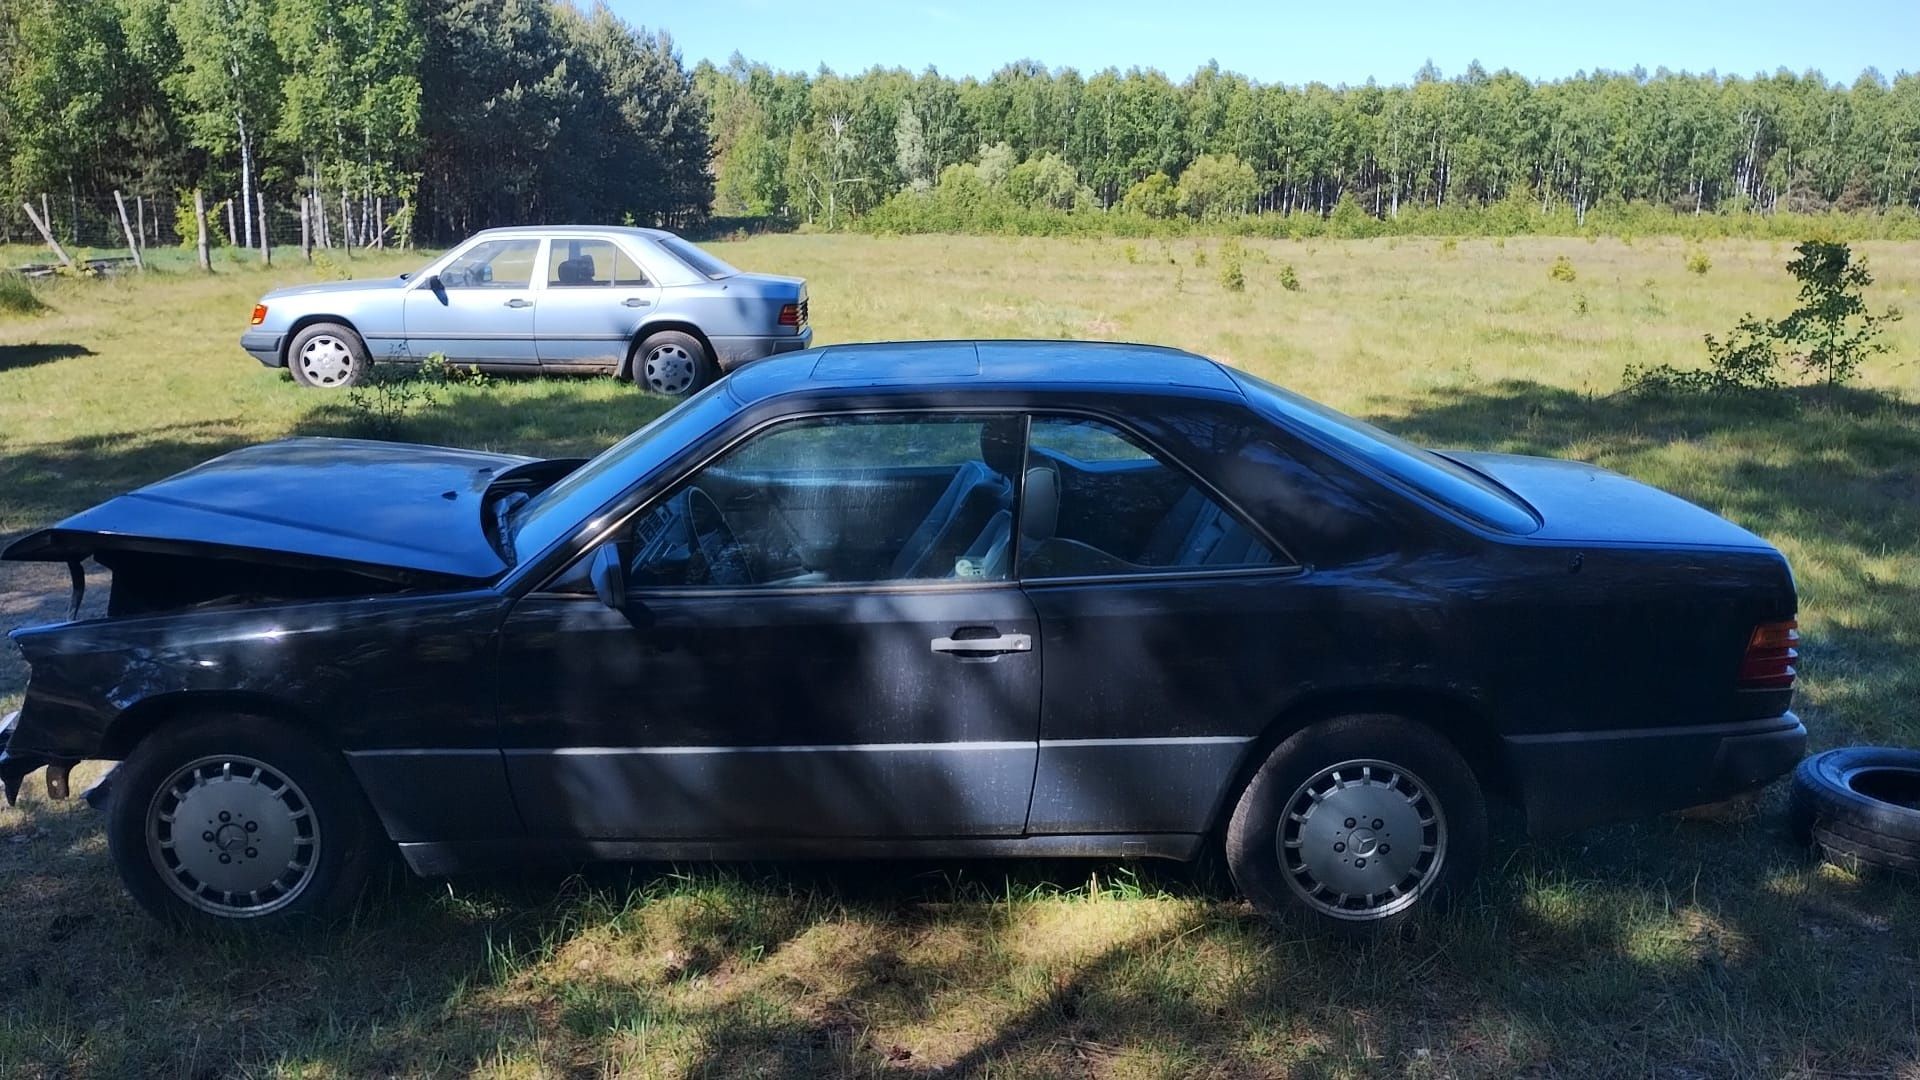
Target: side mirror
x,y
609,576
434,284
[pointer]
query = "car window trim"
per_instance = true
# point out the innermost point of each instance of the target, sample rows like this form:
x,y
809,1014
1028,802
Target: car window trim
x,y
1170,460
647,502
534,279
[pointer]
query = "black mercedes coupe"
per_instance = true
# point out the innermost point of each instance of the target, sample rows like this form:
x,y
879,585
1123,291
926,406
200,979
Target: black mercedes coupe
x,y
941,599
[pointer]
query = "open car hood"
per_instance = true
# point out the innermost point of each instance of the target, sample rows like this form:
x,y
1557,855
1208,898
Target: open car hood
x,y
390,510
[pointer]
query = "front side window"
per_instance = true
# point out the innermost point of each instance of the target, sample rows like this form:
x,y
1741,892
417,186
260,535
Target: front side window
x,y
1099,503
840,501
494,264
591,264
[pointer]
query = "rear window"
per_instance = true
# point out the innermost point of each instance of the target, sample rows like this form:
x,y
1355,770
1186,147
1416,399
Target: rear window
x,y
702,262
1439,478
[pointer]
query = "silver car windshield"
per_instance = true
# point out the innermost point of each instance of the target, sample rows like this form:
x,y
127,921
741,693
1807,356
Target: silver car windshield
x,y
702,263
554,513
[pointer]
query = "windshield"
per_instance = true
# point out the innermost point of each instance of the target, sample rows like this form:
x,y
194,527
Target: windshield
x,y
556,512
1439,478
693,256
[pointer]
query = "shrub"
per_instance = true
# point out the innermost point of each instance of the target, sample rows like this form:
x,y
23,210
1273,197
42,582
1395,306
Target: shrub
x,y
1829,335
1289,280
1562,270
1832,329
1232,277
1132,253
380,405
1697,262
17,296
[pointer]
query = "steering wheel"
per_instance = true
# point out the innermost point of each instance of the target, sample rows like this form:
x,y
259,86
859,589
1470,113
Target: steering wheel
x,y
710,539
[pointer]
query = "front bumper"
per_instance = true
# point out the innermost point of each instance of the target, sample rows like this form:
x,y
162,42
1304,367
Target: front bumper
x,y
262,346
731,352
1570,780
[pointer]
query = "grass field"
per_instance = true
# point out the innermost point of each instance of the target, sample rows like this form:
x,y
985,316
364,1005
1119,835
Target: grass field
x,y
1684,947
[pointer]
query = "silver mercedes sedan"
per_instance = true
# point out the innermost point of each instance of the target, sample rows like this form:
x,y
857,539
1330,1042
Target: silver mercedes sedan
x,y
642,304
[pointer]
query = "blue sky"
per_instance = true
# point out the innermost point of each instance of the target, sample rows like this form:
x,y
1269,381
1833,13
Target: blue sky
x,y
1288,41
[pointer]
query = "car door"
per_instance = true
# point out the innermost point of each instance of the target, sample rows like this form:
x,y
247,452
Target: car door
x,y
479,308
594,300
742,691
1170,627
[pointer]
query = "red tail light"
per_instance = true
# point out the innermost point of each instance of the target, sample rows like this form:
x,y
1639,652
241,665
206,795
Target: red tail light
x,y
793,314
259,314
1768,663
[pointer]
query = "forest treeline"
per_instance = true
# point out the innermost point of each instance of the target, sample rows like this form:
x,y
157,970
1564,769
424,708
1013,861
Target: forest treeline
x,y
437,117
434,117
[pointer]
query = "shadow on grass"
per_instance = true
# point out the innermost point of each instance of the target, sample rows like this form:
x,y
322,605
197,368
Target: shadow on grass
x,y
14,357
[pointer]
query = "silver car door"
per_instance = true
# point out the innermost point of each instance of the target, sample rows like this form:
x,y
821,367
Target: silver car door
x,y
480,307
594,299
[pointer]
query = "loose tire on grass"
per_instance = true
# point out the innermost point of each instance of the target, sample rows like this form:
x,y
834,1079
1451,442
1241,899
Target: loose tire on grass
x,y
233,821
1860,807
1358,823
328,355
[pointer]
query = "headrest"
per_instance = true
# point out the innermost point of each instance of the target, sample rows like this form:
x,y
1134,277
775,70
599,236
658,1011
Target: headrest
x,y
1040,504
577,270
1003,446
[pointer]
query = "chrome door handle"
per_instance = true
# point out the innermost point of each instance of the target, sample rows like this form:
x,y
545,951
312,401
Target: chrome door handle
x,y
634,301
983,646
517,302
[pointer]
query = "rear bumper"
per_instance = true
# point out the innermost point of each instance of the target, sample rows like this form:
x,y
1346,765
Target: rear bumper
x,y
1571,780
731,352
264,347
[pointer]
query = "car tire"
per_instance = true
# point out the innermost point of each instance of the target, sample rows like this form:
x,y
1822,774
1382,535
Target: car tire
x,y
1357,824
672,363
240,821
328,355
1859,807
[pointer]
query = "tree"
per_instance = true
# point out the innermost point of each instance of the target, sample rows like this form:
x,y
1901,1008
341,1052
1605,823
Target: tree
x,y
228,84
1154,197
1217,186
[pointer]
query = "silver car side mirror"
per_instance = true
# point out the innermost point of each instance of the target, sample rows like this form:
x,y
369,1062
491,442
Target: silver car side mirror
x,y
433,283
609,576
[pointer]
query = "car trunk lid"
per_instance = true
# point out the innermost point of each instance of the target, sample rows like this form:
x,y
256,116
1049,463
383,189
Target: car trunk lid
x,y
1586,503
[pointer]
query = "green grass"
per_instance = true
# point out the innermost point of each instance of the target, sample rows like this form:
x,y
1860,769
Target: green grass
x,y
1696,946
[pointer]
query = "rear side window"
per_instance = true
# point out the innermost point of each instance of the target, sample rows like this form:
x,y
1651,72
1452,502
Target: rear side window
x,y
591,263
1098,503
1439,478
713,269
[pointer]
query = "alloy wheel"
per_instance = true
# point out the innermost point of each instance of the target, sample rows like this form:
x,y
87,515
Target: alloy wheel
x,y
669,369
233,837
1362,840
326,360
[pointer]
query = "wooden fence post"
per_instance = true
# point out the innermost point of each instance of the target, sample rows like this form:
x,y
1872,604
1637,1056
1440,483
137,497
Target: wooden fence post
x,y
140,212
200,222
233,234
306,228
47,234
266,250
133,245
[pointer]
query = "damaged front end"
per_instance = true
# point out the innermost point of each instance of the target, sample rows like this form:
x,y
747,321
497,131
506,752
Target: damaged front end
x,y
16,766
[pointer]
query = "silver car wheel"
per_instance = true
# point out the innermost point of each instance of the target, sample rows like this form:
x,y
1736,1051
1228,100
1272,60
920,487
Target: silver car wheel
x,y
233,837
1362,840
669,369
326,360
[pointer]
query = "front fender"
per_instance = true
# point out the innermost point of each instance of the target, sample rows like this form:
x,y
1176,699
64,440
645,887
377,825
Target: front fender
x,y
370,673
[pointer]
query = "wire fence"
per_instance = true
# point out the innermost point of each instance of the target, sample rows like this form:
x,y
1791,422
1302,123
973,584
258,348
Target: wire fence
x,y
93,228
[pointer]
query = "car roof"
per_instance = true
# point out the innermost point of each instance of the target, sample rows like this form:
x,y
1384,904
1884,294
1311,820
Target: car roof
x,y
980,365
578,230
